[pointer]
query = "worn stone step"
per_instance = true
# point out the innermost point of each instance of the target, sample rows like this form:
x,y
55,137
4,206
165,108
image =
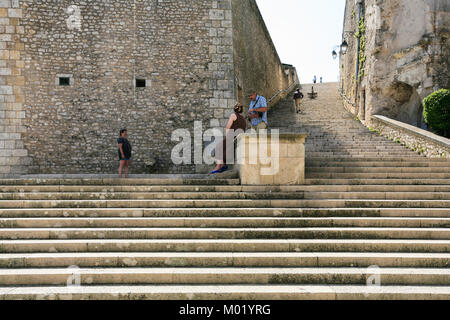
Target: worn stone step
x,y
205,180
386,175
377,169
218,196
225,259
379,195
224,245
377,181
377,159
227,292
289,203
148,195
234,222
225,276
372,164
376,188
225,212
227,233
357,154
223,189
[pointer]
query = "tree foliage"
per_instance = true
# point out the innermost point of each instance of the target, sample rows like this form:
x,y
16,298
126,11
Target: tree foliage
x,y
437,111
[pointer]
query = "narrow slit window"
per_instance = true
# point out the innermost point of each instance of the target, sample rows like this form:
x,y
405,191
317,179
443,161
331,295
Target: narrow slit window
x,y
64,81
141,83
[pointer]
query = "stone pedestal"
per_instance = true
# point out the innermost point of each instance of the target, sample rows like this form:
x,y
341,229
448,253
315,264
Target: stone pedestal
x,y
271,159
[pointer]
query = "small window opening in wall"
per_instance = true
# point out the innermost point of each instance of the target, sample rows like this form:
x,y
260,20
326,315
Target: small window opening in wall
x,y
141,83
64,81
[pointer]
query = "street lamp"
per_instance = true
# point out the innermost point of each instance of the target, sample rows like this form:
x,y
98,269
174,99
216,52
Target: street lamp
x,y
342,49
334,54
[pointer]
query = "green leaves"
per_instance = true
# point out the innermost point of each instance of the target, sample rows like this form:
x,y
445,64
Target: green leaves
x,y
437,111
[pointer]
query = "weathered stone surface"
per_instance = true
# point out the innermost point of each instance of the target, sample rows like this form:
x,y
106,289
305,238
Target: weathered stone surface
x,y
14,158
185,50
271,159
421,141
404,57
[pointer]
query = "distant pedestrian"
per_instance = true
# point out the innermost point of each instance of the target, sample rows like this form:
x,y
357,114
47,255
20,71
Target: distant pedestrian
x,y
321,80
124,152
315,79
257,112
298,98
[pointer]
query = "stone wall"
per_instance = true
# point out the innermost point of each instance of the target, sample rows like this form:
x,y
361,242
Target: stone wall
x,y
13,156
423,142
256,60
176,46
187,52
405,57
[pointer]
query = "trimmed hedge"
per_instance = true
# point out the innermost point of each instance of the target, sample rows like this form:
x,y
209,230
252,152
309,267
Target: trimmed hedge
x,y
436,111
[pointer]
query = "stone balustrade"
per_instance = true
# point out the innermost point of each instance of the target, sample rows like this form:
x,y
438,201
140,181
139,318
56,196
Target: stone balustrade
x,y
419,140
271,159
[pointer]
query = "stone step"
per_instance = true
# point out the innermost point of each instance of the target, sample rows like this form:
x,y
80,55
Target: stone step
x,y
225,259
226,212
149,195
378,181
376,188
234,222
218,196
222,276
377,169
225,245
288,203
414,159
358,154
227,233
379,195
356,149
375,164
380,175
227,292
227,189
349,157
206,180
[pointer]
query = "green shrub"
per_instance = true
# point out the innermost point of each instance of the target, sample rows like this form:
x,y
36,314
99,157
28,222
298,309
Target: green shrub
x,y
437,111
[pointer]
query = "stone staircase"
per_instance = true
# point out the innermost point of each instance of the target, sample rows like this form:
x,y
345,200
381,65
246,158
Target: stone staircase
x,y
369,208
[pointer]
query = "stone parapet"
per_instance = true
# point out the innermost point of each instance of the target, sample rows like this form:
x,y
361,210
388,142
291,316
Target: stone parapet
x,y
271,159
419,140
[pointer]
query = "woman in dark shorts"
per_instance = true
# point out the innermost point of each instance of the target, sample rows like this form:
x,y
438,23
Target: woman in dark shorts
x,y
124,152
236,124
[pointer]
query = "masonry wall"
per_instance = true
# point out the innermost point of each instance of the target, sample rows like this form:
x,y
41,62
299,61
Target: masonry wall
x,y
405,58
182,49
72,129
13,155
256,60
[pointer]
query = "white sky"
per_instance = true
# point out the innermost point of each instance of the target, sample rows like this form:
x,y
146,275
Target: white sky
x,y
304,33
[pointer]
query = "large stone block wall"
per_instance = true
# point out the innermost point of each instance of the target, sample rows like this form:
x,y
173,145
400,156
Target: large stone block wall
x,y
176,46
406,57
13,156
189,52
256,60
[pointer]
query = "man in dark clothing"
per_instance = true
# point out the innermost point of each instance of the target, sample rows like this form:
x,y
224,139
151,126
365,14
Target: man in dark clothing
x,y
124,152
298,96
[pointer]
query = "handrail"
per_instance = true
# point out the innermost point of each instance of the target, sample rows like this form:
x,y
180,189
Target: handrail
x,y
281,91
341,92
